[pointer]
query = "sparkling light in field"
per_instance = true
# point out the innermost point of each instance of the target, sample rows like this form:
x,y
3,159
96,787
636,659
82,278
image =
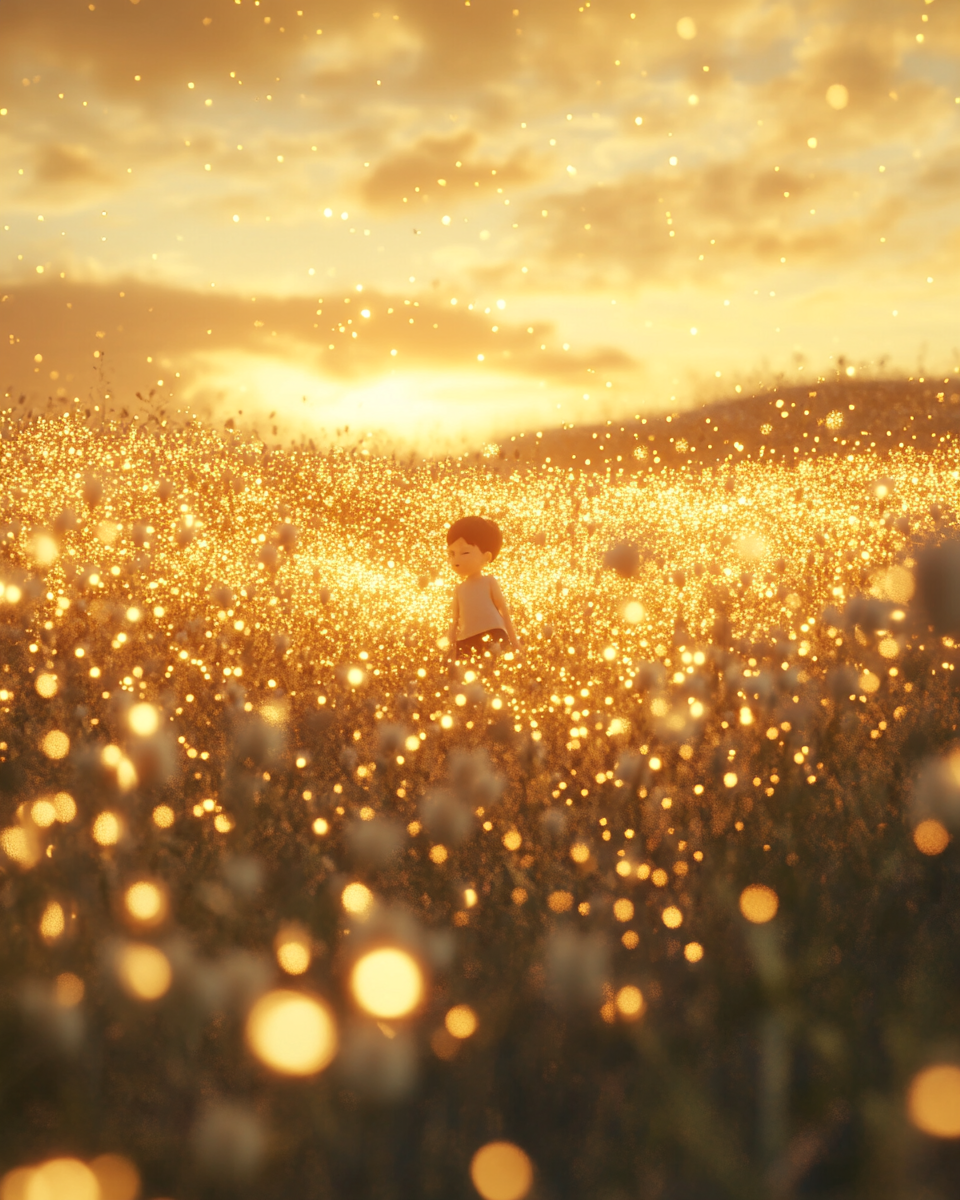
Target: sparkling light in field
x,y
387,983
292,1033
501,1171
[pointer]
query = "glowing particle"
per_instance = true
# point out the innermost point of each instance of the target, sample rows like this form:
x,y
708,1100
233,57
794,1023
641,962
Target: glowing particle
x,y
837,96
623,909
501,1171
53,922
146,902
55,745
933,1100
47,685
163,816
759,903
107,829
630,1002
387,982
931,838
144,971
292,1033
356,899
461,1021
143,719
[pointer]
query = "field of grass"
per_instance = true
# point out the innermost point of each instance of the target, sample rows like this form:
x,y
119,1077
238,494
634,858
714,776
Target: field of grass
x,y
292,904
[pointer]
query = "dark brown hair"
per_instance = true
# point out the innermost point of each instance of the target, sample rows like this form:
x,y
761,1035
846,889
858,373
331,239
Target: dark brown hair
x,y
479,532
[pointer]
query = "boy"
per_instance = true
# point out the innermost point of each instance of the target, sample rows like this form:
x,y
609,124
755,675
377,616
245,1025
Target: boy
x,y
480,615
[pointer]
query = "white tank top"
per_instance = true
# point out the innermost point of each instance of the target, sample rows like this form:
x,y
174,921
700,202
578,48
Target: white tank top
x,y
478,613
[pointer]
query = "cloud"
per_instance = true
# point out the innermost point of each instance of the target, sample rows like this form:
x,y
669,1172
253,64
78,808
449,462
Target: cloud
x,y
83,330
60,165
443,169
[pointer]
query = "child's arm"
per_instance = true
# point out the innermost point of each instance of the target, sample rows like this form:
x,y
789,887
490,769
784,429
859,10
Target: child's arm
x,y
454,621
496,595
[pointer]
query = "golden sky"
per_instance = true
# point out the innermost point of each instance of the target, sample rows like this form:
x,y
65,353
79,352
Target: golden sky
x,y
465,216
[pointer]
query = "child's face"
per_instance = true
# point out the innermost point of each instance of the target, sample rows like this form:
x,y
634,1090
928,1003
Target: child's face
x,y
467,559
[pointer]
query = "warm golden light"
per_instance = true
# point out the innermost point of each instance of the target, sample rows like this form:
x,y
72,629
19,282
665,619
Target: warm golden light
x,y
630,1002
43,813
933,1100
293,949
931,837
68,989
461,1021
61,1179
47,686
53,922
387,983
357,899
56,744
623,909
117,1176
758,903
144,971
672,917
65,807
19,846
143,720
693,952
163,816
501,1171
146,902
579,852
107,829
560,902
292,1033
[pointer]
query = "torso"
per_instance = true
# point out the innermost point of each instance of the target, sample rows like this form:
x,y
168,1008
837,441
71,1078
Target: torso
x,y
478,613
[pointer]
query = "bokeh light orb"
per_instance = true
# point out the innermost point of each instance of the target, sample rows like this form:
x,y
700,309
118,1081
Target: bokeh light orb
x,y
146,902
292,1033
144,971
43,813
759,904
933,1100
501,1171
107,829
461,1021
357,899
55,744
47,685
293,949
68,989
931,837
65,807
387,982
117,1176
62,1179
53,921
143,719
630,1003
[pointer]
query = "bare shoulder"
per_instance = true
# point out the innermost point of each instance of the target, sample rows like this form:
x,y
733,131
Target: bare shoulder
x,y
493,584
